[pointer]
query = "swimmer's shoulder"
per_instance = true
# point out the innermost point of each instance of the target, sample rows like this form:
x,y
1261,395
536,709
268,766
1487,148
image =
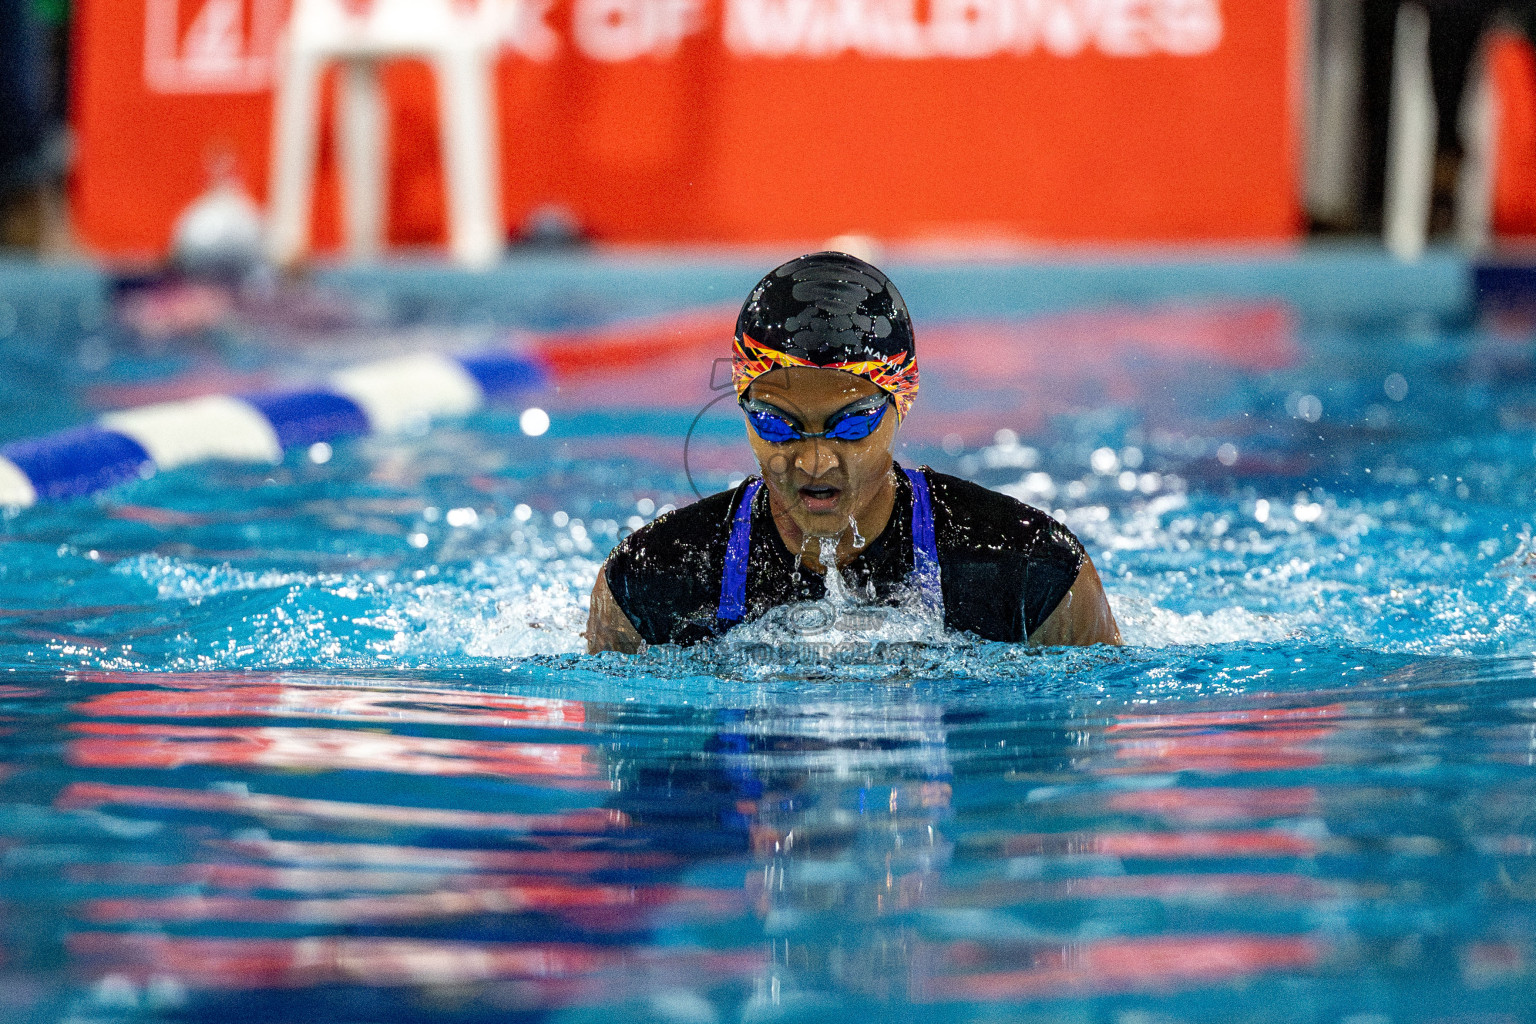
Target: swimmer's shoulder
x,y
666,575
970,516
681,534
1006,565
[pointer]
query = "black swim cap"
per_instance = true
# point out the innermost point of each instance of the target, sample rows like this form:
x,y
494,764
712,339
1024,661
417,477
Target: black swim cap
x,y
828,310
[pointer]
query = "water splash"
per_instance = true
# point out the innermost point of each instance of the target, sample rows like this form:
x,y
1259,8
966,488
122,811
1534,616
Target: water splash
x,y
840,636
838,594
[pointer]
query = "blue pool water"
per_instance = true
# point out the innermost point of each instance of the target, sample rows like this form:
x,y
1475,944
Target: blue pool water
x,y
317,743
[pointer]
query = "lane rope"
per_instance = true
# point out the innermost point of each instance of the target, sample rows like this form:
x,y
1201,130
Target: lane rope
x,y
383,397
376,398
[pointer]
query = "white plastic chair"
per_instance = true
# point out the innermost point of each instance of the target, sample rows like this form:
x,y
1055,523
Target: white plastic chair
x,y
459,40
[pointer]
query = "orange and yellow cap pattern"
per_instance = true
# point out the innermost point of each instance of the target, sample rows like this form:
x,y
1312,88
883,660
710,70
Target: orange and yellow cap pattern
x,y
896,375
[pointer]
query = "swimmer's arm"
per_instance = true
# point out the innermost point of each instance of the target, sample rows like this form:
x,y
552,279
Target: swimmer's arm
x,y
1083,616
608,628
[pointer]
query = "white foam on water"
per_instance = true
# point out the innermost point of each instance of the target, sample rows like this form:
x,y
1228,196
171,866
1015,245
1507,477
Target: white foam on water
x,y
179,579
512,605
507,608
1144,624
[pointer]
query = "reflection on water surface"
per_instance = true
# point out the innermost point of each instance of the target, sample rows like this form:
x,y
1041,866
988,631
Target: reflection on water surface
x,y
296,847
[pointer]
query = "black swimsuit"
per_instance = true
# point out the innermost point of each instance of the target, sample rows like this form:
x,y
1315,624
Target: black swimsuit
x,y
1004,566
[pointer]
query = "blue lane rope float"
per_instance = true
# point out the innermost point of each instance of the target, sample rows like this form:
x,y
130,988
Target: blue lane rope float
x,y
376,398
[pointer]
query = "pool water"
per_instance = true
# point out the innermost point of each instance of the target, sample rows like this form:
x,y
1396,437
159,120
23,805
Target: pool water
x,y
318,742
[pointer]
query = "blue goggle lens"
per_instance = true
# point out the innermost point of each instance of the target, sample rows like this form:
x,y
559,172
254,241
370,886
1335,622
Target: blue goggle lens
x,y
853,426
856,426
771,428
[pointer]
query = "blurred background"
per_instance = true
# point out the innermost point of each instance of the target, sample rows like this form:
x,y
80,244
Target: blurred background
x,y
970,125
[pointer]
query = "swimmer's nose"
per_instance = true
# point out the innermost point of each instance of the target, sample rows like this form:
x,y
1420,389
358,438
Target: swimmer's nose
x,y
816,459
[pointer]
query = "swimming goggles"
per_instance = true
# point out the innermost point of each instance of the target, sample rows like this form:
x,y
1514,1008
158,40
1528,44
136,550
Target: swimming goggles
x,y
854,422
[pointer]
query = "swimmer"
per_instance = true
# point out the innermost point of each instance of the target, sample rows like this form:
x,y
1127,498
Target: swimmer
x,y
825,370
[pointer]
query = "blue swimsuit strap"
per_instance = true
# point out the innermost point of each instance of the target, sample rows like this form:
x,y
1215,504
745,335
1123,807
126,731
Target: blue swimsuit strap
x,y
733,585
925,547
925,550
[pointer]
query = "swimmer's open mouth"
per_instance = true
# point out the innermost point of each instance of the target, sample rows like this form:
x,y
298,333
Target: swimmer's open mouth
x,y
820,497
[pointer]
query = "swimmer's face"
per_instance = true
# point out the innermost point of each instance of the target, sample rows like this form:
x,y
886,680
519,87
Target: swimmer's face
x,y
820,482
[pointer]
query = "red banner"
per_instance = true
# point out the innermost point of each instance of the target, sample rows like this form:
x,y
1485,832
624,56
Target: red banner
x,y
753,120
